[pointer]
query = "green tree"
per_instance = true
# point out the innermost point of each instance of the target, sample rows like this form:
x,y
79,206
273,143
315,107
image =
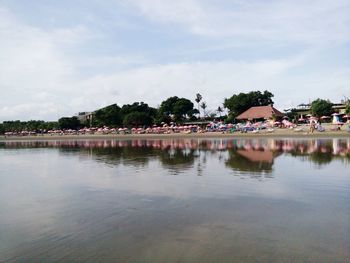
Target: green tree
x,y
69,123
241,102
178,107
137,119
198,100
204,106
347,109
2,128
219,110
132,113
138,107
108,116
321,107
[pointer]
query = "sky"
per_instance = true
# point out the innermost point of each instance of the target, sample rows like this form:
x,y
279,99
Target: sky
x,y
58,58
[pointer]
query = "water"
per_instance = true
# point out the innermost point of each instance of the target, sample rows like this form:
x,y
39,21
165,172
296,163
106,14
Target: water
x,y
245,200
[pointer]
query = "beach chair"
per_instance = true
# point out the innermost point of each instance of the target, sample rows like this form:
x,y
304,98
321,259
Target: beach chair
x,y
320,128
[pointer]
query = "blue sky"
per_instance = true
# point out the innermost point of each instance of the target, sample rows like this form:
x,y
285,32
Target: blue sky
x,y
61,57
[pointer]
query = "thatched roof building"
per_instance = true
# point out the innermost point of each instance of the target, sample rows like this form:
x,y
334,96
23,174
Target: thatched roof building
x,y
260,112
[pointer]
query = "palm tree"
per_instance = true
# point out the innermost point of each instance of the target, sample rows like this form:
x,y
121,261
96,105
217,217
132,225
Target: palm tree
x,y
203,106
219,110
198,100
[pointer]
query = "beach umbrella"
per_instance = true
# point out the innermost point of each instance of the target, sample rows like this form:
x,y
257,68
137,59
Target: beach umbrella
x,y
346,116
335,114
325,117
301,119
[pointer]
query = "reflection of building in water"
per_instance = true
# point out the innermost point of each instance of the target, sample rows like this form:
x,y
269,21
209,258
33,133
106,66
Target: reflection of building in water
x,y
257,156
256,160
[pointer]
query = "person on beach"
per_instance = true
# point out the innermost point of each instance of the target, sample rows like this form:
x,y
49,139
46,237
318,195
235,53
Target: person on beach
x,y
312,127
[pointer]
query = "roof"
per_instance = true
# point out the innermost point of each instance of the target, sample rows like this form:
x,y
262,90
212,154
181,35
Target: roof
x,y
260,112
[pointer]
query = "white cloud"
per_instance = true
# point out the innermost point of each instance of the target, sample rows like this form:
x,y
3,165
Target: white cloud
x,y
215,81
305,21
41,79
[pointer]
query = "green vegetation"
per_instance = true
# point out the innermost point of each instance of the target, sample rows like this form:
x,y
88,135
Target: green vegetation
x,y
32,125
69,123
108,116
198,100
243,101
321,107
175,108
138,114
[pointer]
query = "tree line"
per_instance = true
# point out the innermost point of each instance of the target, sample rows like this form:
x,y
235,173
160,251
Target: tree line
x,y
173,109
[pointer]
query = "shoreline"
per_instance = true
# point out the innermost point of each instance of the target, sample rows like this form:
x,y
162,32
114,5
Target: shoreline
x,y
209,135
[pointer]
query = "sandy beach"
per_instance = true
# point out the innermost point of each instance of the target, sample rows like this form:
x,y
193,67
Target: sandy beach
x,y
278,133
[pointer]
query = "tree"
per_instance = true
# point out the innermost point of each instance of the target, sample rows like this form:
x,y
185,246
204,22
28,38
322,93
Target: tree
x,y
219,110
198,100
178,107
138,113
138,107
243,101
137,119
108,116
347,109
203,106
69,123
2,128
321,107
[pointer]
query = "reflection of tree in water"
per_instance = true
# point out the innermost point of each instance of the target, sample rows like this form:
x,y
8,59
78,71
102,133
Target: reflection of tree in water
x,y
133,156
247,155
174,159
177,159
320,152
139,156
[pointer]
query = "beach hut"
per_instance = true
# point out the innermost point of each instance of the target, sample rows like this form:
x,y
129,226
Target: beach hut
x,y
260,112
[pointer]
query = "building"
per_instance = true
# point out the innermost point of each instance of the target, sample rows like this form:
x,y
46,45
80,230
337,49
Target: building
x,y
85,117
260,112
304,109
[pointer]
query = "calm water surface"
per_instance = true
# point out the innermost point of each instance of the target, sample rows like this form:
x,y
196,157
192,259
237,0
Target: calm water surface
x,y
244,200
